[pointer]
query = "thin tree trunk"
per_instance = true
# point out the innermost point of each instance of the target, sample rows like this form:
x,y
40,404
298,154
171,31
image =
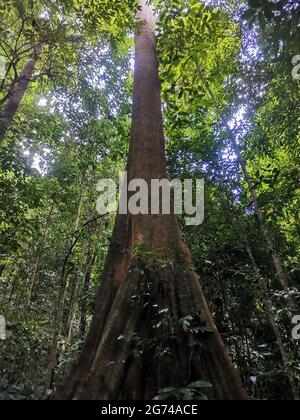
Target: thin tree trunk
x,y
73,310
86,268
13,287
269,311
76,288
268,236
265,230
141,301
74,301
86,285
267,305
38,260
18,91
53,359
241,360
6,300
33,281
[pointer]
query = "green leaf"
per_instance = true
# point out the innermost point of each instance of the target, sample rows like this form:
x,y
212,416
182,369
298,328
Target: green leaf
x,y
167,390
200,384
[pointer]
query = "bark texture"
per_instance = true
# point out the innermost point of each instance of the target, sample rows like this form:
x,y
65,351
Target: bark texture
x,y
18,91
136,344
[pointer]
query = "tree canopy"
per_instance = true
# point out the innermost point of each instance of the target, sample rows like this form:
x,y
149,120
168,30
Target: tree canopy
x,y
230,94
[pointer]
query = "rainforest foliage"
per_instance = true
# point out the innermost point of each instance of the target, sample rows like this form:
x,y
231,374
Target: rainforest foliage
x,y
230,93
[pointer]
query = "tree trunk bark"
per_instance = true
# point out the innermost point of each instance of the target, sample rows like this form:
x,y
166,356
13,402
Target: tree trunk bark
x,y
136,344
73,310
18,91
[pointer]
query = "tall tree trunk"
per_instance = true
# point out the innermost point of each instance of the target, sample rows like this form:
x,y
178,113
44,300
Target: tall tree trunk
x,y
73,309
265,230
18,91
267,234
136,344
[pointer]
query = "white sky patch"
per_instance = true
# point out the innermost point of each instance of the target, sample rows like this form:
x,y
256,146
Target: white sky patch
x,y
45,15
229,156
42,102
36,164
238,118
38,159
